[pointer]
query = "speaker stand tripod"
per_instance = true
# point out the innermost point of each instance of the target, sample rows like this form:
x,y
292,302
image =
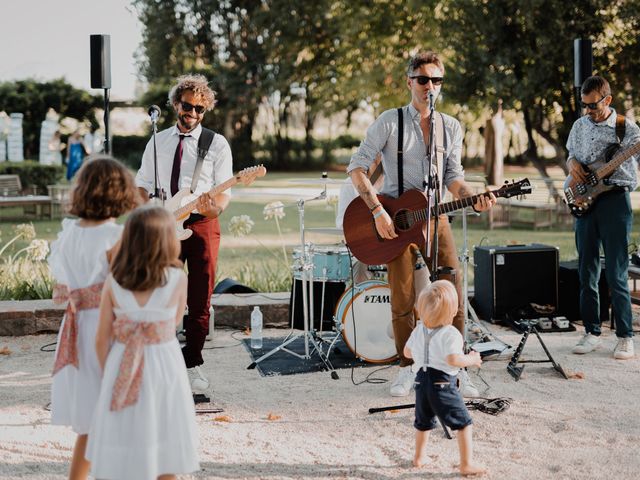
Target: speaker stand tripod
x,y
514,369
311,339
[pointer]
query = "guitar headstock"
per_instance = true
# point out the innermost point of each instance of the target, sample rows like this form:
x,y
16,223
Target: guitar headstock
x,y
249,174
522,187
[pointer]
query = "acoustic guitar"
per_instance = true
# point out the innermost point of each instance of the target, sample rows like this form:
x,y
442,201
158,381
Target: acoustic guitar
x,y
184,202
409,215
581,197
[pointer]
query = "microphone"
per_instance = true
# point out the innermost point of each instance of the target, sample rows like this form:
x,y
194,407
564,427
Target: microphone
x,y
432,100
154,113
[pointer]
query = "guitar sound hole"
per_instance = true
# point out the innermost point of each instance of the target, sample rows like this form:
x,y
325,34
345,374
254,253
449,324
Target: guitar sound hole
x,y
404,220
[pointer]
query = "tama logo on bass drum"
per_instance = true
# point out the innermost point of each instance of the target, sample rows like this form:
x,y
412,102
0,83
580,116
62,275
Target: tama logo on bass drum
x,y
377,299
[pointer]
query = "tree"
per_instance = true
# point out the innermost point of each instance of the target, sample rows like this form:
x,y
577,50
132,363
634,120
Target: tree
x,y
34,98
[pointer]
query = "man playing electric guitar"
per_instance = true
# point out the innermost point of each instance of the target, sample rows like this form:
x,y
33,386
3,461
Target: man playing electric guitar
x,y
424,75
178,158
608,222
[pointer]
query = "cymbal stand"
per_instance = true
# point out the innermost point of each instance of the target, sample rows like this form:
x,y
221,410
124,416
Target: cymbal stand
x,y
305,268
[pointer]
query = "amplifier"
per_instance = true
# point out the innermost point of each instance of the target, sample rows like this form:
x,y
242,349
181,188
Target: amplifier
x,y
511,277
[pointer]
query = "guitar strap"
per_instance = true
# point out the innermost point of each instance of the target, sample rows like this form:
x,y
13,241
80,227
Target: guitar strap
x,y
621,126
204,142
400,143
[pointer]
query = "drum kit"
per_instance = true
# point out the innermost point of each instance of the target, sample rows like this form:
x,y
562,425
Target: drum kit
x,y
362,316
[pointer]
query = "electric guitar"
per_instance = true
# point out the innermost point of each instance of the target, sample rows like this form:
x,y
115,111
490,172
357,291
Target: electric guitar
x,y
184,202
409,214
580,197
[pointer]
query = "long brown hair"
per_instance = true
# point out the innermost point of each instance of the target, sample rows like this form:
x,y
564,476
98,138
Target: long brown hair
x,y
148,246
104,189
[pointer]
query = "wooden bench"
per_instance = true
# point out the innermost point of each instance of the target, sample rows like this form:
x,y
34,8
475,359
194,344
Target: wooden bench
x,y
11,196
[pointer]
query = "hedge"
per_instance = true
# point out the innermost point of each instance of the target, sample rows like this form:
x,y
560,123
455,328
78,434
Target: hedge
x,y
33,174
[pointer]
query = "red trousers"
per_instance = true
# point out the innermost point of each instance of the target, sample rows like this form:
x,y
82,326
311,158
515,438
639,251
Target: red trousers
x,y
200,253
401,284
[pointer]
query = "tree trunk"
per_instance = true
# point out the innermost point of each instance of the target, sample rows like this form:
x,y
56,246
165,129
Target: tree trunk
x,y
532,154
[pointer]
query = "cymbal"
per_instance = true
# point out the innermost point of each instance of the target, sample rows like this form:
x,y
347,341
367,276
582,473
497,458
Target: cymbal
x,y
326,230
318,181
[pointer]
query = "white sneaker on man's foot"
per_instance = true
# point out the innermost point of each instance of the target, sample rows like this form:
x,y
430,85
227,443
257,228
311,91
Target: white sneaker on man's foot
x,y
588,343
467,388
624,349
199,383
401,386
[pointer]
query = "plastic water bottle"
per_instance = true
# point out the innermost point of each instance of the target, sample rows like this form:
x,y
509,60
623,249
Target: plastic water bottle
x,y
211,323
256,328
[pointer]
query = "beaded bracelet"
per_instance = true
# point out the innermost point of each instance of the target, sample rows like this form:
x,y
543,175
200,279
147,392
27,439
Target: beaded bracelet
x,y
377,214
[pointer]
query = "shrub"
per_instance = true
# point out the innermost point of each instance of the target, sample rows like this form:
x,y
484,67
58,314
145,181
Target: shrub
x,y
129,149
33,174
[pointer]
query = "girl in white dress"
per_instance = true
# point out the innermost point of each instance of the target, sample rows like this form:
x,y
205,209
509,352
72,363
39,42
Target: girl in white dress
x,y
144,425
78,261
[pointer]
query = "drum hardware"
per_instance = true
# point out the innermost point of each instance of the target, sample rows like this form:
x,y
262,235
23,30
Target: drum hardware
x,y
303,267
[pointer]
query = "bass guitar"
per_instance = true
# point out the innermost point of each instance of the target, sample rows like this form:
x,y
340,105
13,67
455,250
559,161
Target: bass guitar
x,y
581,197
409,214
184,202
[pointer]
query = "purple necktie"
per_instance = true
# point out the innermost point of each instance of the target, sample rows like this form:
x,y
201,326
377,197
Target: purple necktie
x,y
175,171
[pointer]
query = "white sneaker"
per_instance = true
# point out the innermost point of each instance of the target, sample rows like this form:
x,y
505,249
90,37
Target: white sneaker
x,y
467,388
199,383
588,343
402,385
624,349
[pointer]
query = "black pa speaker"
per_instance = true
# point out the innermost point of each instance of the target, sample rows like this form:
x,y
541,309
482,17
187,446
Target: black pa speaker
x,y
582,61
100,61
512,277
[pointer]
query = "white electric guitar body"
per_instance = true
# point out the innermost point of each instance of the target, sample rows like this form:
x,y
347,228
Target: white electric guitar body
x,y
184,202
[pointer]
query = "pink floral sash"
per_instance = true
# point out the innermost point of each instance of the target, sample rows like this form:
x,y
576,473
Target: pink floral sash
x,y
79,299
135,335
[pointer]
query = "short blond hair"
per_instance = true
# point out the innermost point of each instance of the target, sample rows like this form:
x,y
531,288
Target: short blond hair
x,y
199,85
438,304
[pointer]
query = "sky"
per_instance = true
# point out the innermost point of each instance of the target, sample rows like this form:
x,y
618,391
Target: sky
x,y
47,39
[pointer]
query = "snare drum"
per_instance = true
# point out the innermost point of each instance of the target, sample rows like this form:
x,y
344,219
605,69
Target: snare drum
x,y
330,262
367,307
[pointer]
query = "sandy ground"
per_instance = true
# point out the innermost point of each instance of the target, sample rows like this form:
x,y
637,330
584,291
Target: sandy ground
x,y
320,428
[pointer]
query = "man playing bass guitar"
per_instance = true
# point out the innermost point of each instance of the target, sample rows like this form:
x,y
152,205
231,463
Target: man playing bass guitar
x,y
424,75
608,221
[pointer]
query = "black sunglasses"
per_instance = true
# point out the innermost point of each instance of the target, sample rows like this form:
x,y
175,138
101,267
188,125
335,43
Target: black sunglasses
x,y
423,80
187,107
594,105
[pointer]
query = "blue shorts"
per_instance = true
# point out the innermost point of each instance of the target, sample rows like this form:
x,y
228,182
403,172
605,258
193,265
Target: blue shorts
x,y
437,396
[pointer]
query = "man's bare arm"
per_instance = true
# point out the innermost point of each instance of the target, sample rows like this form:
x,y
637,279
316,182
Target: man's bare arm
x,y
363,186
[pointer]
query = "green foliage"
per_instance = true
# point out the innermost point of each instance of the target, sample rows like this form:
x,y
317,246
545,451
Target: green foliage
x,y
263,277
34,174
34,98
129,149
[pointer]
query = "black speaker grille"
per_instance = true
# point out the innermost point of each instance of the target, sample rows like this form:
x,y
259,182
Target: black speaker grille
x,y
100,46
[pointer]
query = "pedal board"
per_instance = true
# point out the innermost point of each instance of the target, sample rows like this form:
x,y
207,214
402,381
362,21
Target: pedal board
x,y
203,404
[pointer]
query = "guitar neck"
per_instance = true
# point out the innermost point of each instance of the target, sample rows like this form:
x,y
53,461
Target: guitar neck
x,y
189,207
454,205
618,159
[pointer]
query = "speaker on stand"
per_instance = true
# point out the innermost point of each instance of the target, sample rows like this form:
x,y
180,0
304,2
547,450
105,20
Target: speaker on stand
x,y
100,46
582,67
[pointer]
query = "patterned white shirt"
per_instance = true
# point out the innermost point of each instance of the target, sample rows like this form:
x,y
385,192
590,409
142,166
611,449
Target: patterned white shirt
x,y
588,141
382,137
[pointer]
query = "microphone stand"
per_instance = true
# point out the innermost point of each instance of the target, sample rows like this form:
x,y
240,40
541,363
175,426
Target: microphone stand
x,y
158,192
433,192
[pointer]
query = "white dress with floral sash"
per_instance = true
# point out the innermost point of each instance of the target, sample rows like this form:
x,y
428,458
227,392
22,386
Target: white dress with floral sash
x,y
78,259
156,434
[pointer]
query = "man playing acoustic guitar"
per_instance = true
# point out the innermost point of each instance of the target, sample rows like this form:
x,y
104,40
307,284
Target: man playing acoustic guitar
x,y
608,222
424,75
177,149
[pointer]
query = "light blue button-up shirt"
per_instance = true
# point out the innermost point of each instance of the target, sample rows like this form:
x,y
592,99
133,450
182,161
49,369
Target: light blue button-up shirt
x,y
382,137
588,141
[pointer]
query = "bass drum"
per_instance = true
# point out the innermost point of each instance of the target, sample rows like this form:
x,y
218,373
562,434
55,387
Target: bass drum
x,y
363,315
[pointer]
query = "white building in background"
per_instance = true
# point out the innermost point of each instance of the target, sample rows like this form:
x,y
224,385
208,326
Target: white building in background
x,y
50,139
15,144
4,133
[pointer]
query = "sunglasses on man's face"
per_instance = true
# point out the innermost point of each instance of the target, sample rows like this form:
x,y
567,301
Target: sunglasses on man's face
x,y
187,107
423,80
592,106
